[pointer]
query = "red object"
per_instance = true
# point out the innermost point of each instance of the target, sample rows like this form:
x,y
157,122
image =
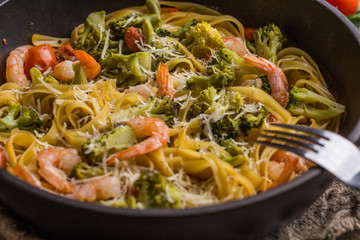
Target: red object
x,y
132,38
249,34
335,3
66,51
41,57
2,159
347,7
169,9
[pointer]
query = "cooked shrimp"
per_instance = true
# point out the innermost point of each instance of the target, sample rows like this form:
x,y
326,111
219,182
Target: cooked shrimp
x,y
154,128
235,44
142,89
97,189
15,66
91,66
64,71
277,79
25,174
283,164
55,164
164,81
2,158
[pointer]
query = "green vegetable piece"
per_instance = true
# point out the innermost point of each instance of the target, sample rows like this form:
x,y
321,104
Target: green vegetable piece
x,y
155,191
17,116
118,27
85,171
148,31
92,27
127,69
157,107
265,84
80,76
268,41
51,79
35,75
304,102
118,139
237,153
222,72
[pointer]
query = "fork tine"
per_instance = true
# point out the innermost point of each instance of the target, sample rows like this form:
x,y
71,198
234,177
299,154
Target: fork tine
x,y
300,136
297,151
288,140
314,131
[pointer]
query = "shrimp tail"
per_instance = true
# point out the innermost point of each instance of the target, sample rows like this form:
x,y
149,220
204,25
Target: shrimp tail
x,y
277,79
164,81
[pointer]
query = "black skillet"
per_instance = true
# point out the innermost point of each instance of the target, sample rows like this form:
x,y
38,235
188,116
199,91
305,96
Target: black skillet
x,y
312,24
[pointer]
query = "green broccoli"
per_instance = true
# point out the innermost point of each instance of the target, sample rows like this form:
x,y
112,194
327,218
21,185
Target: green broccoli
x,y
37,77
127,69
118,27
268,41
84,171
155,191
304,102
265,86
230,101
158,107
222,71
115,141
17,116
238,156
226,125
250,121
182,33
224,111
92,30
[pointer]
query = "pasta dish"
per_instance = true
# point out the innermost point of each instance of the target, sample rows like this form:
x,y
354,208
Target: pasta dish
x,y
158,106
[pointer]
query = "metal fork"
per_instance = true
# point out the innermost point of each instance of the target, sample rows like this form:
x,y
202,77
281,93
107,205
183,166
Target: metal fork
x,y
327,149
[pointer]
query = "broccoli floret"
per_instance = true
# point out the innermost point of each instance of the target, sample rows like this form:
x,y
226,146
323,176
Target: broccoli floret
x,y
115,141
230,101
182,33
222,71
265,86
206,36
84,171
224,111
157,107
250,121
202,102
155,191
304,102
127,69
238,156
118,27
17,116
226,125
92,28
37,77
219,79
268,41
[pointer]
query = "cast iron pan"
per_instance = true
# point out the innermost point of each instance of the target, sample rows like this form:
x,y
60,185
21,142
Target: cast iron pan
x,y
312,24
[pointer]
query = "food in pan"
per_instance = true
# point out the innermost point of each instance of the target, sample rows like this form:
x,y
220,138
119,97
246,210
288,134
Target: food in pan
x,y
158,107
